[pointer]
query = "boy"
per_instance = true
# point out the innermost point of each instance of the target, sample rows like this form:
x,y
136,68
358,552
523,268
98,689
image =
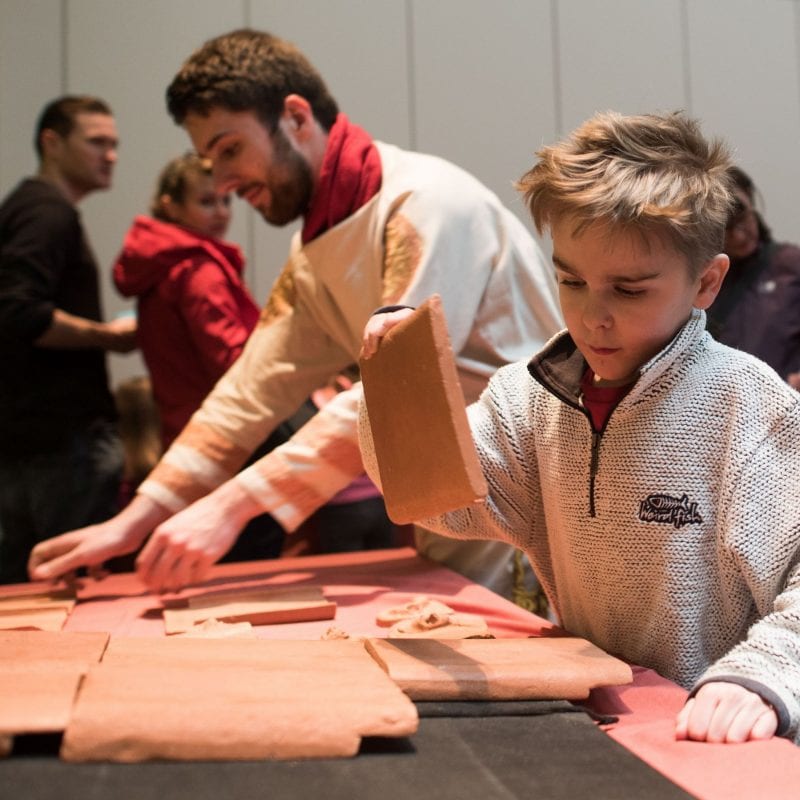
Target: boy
x,y
649,472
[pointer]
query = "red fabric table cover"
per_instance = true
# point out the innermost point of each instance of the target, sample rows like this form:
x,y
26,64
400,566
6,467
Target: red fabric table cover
x,y
363,583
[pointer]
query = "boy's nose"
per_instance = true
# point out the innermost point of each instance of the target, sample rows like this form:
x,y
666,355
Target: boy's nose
x,y
595,314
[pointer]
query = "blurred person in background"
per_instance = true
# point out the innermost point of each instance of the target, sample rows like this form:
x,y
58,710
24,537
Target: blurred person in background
x,y
758,307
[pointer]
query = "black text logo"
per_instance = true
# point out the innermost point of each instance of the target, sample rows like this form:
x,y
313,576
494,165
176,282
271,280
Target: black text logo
x,y
670,510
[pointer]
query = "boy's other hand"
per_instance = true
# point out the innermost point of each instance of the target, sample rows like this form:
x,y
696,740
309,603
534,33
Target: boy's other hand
x,y
726,712
378,326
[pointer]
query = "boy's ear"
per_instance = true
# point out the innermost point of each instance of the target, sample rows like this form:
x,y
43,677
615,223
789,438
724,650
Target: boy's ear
x,y
711,277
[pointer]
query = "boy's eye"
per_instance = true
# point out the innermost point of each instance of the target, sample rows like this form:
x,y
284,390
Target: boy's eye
x,y
570,283
621,290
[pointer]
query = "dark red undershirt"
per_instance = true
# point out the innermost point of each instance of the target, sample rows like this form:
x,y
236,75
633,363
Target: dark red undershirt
x,y
600,401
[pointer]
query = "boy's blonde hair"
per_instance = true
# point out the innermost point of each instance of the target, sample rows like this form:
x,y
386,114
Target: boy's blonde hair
x,y
648,174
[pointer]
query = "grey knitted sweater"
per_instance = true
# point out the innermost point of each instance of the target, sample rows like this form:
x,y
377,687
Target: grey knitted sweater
x,y
671,538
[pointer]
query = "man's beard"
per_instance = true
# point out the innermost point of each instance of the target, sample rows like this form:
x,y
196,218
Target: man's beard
x,y
290,194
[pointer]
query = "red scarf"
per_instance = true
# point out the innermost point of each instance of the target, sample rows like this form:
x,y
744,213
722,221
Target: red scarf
x,y
350,176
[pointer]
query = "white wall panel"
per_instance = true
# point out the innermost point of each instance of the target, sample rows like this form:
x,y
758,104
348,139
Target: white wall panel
x,y
359,47
128,53
483,89
30,76
625,56
481,83
744,83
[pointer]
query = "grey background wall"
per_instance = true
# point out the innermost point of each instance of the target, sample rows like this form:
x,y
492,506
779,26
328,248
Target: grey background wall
x,y
481,82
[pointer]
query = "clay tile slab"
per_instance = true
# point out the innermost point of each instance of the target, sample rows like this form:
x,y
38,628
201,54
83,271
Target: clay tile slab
x,y
498,669
426,457
39,676
233,699
37,698
274,605
21,647
41,610
42,619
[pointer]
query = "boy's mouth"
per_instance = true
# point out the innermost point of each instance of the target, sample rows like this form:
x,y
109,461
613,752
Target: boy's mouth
x,y
604,351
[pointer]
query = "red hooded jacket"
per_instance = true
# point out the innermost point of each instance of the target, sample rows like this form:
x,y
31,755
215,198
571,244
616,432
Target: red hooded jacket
x,y
194,312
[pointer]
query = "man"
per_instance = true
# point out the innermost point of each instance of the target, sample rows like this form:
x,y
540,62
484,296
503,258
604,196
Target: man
x,y
60,458
381,226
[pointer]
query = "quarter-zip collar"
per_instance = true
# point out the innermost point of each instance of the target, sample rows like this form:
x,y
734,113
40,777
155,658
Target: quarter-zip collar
x,y
560,366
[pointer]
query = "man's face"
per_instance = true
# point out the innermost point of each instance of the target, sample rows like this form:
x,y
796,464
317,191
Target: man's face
x,y
85,158
262,168
623,298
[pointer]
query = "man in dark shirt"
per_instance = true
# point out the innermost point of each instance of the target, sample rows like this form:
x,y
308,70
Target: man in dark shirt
x,y
60,456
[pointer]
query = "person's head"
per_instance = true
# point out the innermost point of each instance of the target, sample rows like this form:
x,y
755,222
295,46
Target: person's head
x,y
185,195
255,106
746,228
637,208
76,141
248,70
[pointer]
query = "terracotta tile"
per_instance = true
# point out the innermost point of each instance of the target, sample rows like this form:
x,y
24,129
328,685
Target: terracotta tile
x,y
42,619
214,629
20,647
426,458
33,608
40,673
498,669
37,698
233,699
256,606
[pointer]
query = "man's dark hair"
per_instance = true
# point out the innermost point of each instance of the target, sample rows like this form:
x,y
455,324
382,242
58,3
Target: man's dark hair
x,y
59,115
248,70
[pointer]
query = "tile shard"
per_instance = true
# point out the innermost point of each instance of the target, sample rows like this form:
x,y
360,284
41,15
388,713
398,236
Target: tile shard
x,y
426,457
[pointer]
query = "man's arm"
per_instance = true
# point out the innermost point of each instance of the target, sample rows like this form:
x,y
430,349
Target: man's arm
x,y
93,545
66,331
284,360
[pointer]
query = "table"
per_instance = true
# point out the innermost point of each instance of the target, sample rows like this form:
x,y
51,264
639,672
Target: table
x,y
361,584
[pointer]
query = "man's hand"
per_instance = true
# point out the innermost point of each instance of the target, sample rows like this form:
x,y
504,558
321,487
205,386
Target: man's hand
x,y
378,326
182,549
91,546
120,335
725,712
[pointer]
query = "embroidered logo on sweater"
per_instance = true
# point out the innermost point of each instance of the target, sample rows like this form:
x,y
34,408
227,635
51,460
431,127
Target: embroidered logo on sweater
x,y
669,510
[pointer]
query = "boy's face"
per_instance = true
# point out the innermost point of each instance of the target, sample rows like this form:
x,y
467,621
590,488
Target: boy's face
x,y
625,298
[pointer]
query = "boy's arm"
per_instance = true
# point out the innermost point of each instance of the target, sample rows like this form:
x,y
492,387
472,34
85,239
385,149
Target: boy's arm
x,y
761,522
726,712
